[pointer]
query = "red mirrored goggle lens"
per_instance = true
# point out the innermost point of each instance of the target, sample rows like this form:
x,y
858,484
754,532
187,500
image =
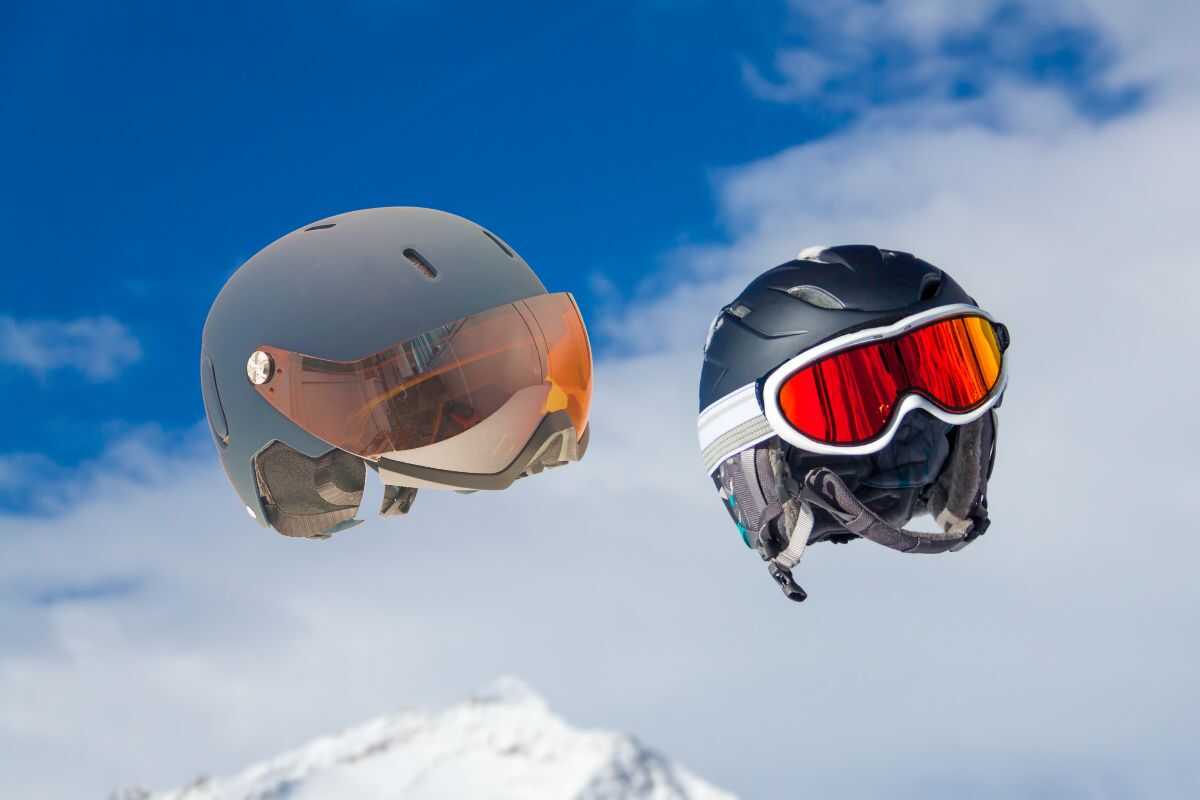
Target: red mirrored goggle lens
x,y
849,397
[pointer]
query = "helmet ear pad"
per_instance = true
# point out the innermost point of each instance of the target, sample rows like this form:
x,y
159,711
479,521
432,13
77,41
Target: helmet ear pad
x,y
962,486
309,497
758,491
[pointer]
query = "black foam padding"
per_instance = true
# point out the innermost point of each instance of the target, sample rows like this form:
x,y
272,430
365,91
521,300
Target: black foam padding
x,y
309,497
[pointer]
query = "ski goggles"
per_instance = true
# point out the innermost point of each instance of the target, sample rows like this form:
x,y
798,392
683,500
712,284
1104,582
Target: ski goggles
x,y
493,376
848,395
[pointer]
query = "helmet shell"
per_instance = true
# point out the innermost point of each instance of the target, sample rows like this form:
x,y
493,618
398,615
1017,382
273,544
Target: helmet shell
x,y
811,299
341,288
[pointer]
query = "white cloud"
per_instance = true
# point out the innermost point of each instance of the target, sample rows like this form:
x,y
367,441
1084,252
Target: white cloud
x,y
850,54
99,347
1155,41
803,72
1053,657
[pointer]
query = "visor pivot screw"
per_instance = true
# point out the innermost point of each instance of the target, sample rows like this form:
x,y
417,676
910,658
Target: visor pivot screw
x,y
259,368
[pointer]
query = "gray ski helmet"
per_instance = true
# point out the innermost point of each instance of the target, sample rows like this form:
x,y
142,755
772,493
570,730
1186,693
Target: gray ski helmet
x,y
409,340
783,498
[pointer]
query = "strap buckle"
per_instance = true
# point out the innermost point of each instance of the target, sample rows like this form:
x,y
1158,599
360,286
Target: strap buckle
x,y
979,525
783,577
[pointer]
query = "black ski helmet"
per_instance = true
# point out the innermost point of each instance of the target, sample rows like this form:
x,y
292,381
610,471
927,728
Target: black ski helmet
x,y
782,497
409,340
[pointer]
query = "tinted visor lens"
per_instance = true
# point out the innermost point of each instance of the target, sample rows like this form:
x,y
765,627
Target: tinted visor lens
x,y
568,355
849,397
442,383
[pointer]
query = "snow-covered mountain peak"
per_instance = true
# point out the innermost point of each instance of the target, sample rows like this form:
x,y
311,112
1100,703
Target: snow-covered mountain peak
x,y
503,743
509,690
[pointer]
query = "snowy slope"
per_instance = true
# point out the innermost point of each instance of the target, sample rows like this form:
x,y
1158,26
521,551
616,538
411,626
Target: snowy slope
x,y
502,744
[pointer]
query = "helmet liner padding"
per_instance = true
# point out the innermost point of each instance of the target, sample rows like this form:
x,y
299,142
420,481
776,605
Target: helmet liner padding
x,y
962,487
308,497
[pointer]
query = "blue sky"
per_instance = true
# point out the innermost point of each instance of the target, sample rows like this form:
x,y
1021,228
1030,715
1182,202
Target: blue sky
x,y
652,157
154,147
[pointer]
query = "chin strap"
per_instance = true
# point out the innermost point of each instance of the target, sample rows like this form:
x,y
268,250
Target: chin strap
x,y
958,502
798,519
824,489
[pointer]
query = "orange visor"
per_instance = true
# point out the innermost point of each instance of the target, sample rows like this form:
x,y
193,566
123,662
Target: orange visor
x,y
442,383
849,397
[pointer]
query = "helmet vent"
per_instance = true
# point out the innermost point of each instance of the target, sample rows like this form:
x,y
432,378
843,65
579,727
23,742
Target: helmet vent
x,y
319,227
499,243
420,264
931,284
816,296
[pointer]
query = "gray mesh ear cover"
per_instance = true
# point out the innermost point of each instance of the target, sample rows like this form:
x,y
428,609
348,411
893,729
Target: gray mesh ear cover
x,y
309,497
753,494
